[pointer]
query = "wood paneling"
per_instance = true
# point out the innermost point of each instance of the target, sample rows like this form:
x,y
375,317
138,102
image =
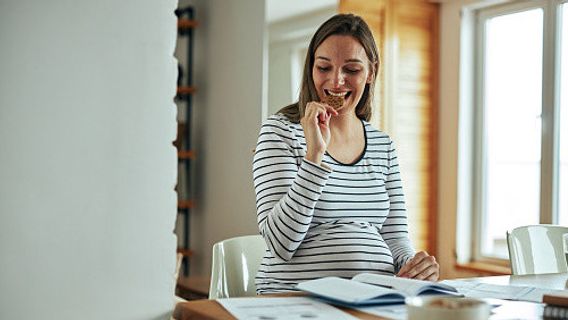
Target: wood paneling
x,y
375,14
406,102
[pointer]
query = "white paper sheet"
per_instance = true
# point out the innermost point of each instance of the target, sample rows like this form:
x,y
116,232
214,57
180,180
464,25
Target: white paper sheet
x,y
395,311
484,290
290,308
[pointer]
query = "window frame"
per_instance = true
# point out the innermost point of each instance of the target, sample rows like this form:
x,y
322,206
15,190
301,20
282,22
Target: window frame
x,y
550,135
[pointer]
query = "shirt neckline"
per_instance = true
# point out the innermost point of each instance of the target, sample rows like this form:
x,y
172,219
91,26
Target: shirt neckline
x,y
361,156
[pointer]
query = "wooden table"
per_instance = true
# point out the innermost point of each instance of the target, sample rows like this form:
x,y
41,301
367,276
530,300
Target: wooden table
x,y
192,288
211,310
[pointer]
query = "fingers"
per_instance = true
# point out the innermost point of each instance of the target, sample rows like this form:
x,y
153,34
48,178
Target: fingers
x,y
319,111
323,118
331,110
429,272
405,270
318,114
422,267
434,276
315,123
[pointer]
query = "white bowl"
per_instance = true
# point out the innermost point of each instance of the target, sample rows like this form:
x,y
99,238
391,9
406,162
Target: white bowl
x,y
447,308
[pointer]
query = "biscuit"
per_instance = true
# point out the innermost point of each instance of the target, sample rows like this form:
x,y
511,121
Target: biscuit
x,y
334,101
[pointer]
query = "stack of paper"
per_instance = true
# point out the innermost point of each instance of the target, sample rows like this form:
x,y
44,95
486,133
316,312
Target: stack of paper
x,y
291,308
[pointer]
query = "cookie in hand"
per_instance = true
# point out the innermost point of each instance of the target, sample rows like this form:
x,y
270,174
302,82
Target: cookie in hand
x,y
336,102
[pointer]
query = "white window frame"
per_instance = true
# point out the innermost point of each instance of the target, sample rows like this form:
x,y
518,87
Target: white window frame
x,y
550,117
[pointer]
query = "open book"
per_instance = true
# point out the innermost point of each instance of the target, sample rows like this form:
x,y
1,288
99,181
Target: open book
x,y
368,289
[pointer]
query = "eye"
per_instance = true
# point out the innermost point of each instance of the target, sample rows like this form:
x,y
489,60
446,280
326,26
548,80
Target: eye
x,y
323,69
352,70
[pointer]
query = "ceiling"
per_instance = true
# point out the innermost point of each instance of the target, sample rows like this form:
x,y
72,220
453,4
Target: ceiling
x,y
277,10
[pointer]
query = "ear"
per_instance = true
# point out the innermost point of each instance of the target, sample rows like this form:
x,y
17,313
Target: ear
x,y
372,74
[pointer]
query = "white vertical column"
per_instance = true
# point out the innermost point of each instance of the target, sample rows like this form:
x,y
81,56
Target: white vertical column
x,y
87,167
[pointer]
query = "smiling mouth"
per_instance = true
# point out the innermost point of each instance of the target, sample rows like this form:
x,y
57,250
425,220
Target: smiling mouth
x,y
344,94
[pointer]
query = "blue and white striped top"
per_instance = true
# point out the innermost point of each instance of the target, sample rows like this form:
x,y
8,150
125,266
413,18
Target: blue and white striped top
x,y
319,222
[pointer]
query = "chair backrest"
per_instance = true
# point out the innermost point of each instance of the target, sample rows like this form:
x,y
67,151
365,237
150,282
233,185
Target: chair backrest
x,y
234,266
536,249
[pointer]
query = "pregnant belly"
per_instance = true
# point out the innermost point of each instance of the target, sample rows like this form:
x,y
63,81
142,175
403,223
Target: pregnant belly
x,y
348,247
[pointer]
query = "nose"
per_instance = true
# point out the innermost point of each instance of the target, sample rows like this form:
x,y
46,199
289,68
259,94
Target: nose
x,y
338,79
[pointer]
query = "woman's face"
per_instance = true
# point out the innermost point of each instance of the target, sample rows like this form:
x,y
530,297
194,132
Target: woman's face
x,y
341,68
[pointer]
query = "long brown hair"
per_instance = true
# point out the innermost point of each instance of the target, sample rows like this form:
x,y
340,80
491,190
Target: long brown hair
x,y
340,24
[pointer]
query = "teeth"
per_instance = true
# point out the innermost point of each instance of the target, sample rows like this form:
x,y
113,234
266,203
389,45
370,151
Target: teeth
x,y
340,94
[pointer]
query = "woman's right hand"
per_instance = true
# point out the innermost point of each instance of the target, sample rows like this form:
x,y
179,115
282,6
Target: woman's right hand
x,y
316,129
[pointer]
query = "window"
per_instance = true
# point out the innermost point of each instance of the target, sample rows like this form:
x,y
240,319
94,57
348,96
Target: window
x,y
521,135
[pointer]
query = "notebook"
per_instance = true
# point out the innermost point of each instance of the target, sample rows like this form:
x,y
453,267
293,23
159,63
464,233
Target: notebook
x,y
368,289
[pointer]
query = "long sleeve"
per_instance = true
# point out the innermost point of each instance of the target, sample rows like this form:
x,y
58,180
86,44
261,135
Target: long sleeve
x,y
395,227
287,188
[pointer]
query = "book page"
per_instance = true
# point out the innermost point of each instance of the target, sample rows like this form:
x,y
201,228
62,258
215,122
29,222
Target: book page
x,y
409,287
345,290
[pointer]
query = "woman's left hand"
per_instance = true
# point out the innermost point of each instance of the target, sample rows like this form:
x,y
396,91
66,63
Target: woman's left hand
x,y
422,267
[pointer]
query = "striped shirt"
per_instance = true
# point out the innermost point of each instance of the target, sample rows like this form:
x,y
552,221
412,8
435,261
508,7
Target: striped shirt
x,y
318,221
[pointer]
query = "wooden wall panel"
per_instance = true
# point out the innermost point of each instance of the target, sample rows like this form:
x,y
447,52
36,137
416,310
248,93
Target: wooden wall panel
x,y
406,33
375,15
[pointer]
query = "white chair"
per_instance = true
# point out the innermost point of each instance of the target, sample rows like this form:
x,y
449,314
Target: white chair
x,y
536,249
234,266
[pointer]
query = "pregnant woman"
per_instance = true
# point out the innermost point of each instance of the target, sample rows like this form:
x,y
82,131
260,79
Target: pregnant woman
x,y
328,189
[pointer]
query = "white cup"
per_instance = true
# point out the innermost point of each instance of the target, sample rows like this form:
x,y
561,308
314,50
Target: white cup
x,y
447,308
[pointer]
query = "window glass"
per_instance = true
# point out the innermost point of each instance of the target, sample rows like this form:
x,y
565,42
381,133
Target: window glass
x,y
512,123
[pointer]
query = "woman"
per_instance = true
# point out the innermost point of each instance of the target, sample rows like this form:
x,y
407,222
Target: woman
x,y
328,189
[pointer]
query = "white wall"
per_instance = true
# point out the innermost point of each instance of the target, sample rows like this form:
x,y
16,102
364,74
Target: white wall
x,y
87,168
230,66
277,10
286,40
